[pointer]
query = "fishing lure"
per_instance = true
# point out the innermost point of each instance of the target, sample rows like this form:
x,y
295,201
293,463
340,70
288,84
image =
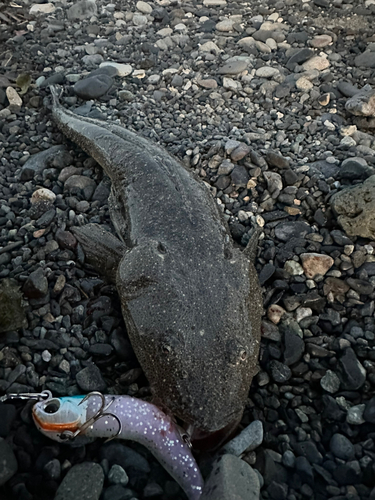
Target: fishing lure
x,y
123,417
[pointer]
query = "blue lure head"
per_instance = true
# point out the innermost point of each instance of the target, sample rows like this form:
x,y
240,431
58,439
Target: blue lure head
x,y
60,418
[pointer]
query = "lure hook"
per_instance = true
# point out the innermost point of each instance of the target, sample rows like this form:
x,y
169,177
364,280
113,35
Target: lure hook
x,y
102,412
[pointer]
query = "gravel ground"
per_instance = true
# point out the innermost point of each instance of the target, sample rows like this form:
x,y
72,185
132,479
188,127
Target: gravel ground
x,y
271,103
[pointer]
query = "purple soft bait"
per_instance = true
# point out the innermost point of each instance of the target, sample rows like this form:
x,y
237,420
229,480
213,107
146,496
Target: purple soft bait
x,y
122,417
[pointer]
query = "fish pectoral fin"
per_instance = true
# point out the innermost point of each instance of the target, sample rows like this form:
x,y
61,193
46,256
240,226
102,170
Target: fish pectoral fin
x,y
251,248
102,249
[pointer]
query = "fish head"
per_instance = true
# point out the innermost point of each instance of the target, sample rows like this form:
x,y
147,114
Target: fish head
x,y
55,416
195,334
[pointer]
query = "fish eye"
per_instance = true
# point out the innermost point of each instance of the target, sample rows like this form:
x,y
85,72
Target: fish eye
x,y
243,355
166,348
52,407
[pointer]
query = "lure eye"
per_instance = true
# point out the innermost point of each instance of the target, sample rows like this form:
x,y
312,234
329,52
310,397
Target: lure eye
x,y
52,407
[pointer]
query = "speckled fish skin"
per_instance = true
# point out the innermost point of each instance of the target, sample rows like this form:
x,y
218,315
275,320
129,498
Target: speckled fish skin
x,y
191,301
141,421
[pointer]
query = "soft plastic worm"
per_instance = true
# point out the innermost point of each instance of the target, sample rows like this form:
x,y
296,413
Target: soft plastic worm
x,y
123,417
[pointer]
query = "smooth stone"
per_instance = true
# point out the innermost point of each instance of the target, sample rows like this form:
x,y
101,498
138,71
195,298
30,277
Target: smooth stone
x,y
144,7
294,347
320,41
80,183
369,413
42,194
347,89
8,462
299,57
45,8
233,68
341,447
317,62
90,379
353,374
214,3
139,20
279,372
267,72
93,87
366,59
208,83
287,230
82,10
122,69
231,479
355,168
248,440
36,285
15,101
84,481
276,160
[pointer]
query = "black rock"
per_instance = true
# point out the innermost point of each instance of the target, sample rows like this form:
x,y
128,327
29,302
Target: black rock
x,y
287,230
277,160
8,462
93,87
277,491
222,182
83,481
279,372
309,450
54,156
305,470
239,176
7,416
355,168
349,473
117,453
347,89
36,285
90,379
369,413
294,347
46,219
266,273
363,287
341,447
299,57
353,374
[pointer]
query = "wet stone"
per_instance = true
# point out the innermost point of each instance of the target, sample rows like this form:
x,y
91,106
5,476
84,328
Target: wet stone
x,y
117,475
8,462
90,379
36,285
330,382
231,478
353,374
93,87
248,439
369,412
287,230
279,372
341,447
83,481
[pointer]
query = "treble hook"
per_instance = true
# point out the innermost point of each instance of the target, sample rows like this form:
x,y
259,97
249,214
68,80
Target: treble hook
x,y
102,412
